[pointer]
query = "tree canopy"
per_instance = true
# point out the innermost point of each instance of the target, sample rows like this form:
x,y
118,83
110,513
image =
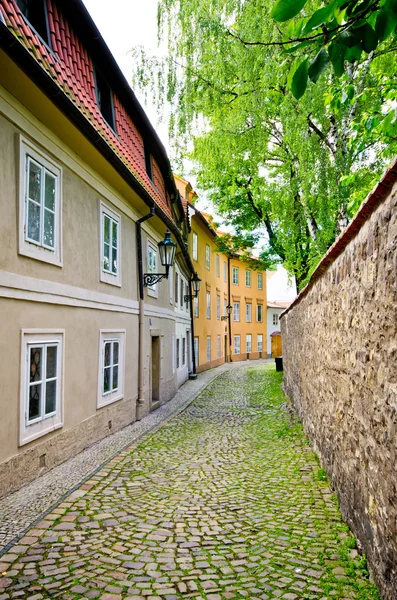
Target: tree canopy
x,y
297,169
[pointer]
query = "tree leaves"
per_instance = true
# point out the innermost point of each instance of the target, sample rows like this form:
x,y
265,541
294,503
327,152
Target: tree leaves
x,y
284,10
299,79
268,162
318,65
343,28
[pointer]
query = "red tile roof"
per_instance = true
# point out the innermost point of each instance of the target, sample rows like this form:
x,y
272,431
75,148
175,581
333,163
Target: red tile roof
x,y
71,68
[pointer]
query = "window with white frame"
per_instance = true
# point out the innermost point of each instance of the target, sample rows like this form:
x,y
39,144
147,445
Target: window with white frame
x,y
195,246
260,281
219,346
224,307
248,278
235,275
111,363
275,319
248,313
224,271
152,266
209,348
207,256
183,351
218,265
187,296
260,342
248,343
182,288
218,308
177,353
236,311
196,351
41,383
40,205
236,344
259,313
208,297
176,287
110,246
195,307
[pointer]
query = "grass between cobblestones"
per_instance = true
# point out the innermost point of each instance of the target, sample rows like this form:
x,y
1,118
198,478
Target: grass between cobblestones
x,y
226,500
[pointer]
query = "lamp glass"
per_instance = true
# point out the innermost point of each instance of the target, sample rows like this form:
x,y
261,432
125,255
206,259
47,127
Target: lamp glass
x,y
196,284
167,249
229,309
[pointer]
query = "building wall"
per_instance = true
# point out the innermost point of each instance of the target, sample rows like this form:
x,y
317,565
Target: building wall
x,y
248,294
340,370
71,298
216,286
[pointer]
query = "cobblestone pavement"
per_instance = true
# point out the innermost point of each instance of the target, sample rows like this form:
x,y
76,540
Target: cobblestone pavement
x,y
22,508
226,500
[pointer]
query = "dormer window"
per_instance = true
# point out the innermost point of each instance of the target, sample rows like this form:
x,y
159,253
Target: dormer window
x,y
35,12
105,99
148,163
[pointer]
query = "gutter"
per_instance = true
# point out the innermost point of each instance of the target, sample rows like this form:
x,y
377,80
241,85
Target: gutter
x,y
27,63
140,407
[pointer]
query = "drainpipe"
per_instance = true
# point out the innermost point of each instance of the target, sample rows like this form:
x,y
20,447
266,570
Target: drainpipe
x,y
193,375
229,303
141,400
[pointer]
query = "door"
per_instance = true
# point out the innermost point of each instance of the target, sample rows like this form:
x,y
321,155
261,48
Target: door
x,y
277,347
155,370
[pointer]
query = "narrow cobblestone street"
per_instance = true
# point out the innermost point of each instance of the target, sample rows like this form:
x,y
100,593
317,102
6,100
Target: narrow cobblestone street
x,y
225,500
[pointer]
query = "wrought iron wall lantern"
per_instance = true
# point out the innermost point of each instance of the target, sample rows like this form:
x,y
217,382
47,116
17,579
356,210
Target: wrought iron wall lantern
x,y
229,309
167,249
196,288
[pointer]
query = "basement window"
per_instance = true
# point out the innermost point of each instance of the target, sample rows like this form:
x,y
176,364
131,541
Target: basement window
x,y
36,14
105,99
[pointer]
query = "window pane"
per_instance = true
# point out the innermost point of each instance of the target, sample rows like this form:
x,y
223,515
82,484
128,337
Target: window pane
x,y
115,353
34,222
114,260
49,192
49,229
106,257
106,233
115,378
34,402
108,346
35,364
114,234
51,362
106,380
34,181
50,397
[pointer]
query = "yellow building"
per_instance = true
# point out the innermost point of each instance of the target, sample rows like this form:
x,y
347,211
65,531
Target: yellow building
x,y
226,281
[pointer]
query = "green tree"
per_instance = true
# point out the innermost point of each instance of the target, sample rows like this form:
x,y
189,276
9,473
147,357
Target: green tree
x,y
338,32
296,169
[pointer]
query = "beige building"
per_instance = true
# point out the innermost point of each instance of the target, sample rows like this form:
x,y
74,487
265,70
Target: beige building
x,y
86,196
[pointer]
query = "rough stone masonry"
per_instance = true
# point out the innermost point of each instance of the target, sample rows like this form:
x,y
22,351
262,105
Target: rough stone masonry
x,y
340,362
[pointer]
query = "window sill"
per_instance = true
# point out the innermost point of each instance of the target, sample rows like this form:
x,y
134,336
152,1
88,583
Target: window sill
x,y
109,399
27,436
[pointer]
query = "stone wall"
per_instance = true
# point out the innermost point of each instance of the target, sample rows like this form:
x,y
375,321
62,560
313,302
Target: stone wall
x,y
340,363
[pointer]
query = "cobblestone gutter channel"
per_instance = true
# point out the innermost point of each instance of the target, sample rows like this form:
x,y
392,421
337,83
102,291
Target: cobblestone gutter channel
x,y
225,500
